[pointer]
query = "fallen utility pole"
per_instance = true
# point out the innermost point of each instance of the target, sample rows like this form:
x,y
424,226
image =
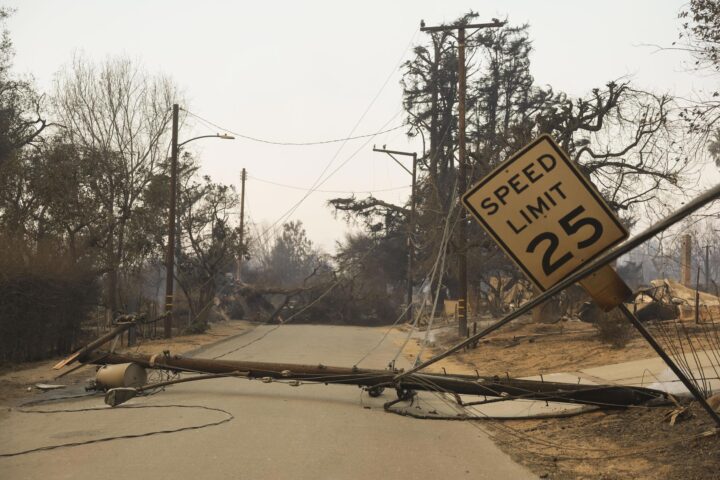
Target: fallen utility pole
x,y
462,160
601,262
123,324
119,395
411,221
692,388
605,259
376,380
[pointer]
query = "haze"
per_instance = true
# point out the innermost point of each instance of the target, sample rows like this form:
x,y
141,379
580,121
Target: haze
x,y
309,71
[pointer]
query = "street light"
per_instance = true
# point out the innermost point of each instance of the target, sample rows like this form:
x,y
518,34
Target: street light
x,y
223,136
170,259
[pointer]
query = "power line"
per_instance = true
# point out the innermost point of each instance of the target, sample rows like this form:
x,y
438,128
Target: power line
x,y
297,144
337,140
319,181
293,187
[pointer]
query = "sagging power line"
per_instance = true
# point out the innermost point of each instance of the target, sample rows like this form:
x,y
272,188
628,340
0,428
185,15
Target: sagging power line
x,y
294,144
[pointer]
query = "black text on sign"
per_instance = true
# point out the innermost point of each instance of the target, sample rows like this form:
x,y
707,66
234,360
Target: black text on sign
x,y
544,213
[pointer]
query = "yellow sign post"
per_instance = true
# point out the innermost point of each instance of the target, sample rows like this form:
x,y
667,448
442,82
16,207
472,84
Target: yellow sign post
x,y
549,219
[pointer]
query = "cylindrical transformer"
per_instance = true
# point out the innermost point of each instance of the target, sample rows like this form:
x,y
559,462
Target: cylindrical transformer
x,y
121,375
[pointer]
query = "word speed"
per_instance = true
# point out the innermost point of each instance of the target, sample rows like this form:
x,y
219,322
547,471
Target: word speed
x,y
544,213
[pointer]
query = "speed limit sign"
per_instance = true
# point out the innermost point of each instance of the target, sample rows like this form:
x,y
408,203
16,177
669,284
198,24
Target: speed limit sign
x,y
544,213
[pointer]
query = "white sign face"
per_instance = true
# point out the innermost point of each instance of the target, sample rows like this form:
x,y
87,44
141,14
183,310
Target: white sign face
x,y
544,213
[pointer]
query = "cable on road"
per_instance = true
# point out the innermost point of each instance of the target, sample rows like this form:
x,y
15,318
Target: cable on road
x,y
227,418
227,415
382,339
524,439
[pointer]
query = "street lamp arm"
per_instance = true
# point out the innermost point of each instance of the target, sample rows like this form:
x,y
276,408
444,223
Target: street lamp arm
x,y
217,135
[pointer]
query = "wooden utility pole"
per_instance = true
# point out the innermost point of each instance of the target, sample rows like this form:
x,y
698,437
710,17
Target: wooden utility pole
x,y
686,261
173,245
377,380
461,235
707,268
410,241
243,176
462,186
411,221
170,258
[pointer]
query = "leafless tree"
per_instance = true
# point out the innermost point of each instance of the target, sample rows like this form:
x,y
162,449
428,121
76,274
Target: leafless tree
x,y
210,244
117,115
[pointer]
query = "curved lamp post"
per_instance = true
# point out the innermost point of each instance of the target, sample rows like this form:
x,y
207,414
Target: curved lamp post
x,y
170,259
222,136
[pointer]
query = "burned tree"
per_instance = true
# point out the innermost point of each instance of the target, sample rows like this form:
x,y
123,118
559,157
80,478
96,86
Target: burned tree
x,y
624,139
22,120
208,245
118,116
700,37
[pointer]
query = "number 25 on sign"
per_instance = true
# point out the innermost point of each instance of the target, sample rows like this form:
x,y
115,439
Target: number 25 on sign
x,y
547,216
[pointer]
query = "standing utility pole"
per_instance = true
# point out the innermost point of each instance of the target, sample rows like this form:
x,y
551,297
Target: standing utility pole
x,y
462,186
172,234
462,162
243,176
707,268
170,260
411,221
686,260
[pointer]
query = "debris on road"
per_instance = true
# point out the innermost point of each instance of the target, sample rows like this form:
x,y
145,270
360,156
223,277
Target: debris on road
x,y
120,376
46,387
127,371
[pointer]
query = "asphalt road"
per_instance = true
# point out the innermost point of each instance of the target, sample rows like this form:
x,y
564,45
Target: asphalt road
x,y
278,431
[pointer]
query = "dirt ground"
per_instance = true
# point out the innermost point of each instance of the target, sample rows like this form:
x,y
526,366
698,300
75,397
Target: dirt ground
x,y
637,443
525,349
18,380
